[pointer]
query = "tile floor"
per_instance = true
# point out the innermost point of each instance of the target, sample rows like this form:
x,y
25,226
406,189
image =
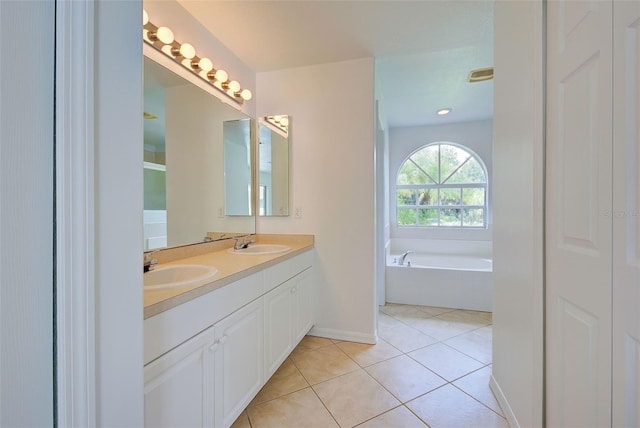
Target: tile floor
x,y
430,367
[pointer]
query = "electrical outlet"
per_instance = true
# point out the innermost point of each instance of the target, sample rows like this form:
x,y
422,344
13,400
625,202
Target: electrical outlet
x,y
298,212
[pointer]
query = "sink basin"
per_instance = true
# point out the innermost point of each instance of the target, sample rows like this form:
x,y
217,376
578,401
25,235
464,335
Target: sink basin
x,y
177,276
259,249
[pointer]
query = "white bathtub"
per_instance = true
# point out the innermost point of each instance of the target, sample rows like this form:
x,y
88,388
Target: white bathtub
x,y
454,280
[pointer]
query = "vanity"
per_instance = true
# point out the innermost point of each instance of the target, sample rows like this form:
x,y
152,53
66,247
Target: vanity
x,y
223,306
210,347
220,316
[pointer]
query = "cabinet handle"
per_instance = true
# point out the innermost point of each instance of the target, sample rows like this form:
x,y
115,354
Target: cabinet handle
x,y
222,339
214,347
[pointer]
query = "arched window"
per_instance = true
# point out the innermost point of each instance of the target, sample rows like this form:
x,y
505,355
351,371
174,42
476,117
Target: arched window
x,y
442,185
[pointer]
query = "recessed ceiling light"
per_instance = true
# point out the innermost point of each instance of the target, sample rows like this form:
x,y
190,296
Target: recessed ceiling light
x,y
443,111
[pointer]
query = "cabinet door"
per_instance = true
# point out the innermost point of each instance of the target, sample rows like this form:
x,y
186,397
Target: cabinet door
x,y
178,386
278,306
303,316
239,367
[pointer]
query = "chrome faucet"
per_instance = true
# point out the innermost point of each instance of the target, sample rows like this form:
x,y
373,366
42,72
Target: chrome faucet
x,y
149,263
242,242
402,257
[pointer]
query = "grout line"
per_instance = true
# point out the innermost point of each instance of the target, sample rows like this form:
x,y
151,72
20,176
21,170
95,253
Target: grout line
x,y
414,414
325,406
464,353
283,395
462,390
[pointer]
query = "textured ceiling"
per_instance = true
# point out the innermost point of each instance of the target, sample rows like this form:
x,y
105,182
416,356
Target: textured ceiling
x,y
423,49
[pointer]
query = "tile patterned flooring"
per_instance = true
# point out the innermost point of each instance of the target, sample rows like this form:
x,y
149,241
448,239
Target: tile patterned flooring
x,y
430,367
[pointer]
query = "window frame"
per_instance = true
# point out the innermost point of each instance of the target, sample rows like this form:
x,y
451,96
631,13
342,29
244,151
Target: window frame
x,y
438,206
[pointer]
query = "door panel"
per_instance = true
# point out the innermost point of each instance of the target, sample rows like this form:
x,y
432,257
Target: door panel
x,y
626,214
578,194
578,149
578,341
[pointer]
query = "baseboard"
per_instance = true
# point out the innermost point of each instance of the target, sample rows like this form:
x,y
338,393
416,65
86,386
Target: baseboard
x,y
351,336
504,404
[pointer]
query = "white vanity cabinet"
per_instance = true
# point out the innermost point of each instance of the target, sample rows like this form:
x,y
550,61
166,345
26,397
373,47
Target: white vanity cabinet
x,y
206,359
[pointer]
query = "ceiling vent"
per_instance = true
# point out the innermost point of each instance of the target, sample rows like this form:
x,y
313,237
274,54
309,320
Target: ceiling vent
x,y
480,75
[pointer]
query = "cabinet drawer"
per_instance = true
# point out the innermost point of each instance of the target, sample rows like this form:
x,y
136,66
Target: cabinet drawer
x,y
168,329
276,275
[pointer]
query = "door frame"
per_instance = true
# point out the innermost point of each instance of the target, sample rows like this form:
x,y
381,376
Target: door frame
x,y
99,307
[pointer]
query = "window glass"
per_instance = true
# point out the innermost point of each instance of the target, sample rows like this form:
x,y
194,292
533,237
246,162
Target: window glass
x,y
442,185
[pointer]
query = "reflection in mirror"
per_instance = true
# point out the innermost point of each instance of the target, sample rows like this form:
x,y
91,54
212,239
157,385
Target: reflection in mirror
x,y
273,187
184,178
237,166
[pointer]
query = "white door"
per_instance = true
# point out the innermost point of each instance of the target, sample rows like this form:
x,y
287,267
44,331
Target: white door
x,y
578,229
626,214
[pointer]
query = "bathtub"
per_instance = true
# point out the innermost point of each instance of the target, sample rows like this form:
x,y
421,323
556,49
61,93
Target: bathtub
x,y
450,280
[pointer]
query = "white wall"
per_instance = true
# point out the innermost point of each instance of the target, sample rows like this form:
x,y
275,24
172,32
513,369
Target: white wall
x,y
517,376
26,219
477,135
118,220
332,182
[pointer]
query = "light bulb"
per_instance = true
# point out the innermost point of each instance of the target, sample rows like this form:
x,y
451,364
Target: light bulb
x,y
185,50
145,17
165,35
443,111
246,94
221,76
232,86
284,121
205,65
217,75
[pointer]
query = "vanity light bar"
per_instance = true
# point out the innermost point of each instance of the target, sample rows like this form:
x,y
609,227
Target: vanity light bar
x,y
281,122
162,39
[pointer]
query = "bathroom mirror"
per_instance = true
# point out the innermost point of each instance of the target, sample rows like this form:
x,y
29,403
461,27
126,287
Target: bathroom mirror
x,y
273,159
184,170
